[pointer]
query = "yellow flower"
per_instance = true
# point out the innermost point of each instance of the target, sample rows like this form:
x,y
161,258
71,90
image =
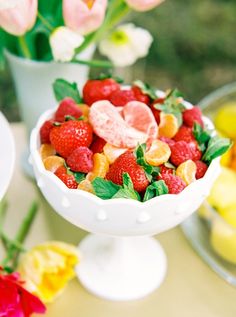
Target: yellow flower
x,y
47,268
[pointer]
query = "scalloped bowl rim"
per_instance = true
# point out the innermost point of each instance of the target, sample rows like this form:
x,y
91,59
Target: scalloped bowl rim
x,y
34,141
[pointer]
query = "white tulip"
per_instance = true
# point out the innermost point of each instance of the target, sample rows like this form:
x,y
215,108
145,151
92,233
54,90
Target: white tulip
x,y
63,42
126,44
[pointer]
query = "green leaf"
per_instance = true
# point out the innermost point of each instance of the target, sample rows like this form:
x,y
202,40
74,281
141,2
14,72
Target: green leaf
x,y
79,177
172,105
155,189
216,147
105,189
146,89
201,135
128,189
63,89
150,171
109,74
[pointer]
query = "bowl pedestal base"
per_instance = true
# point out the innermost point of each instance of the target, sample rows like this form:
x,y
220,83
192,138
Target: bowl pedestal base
x,y
121,269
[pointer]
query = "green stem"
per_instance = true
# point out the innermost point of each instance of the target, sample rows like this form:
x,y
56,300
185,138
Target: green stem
x,y
3,209
45,22
13,254
8,243
116,11
24,47
93,63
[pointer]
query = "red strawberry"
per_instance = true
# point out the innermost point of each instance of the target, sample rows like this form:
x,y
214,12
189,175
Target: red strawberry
x,y
80,160
170,142
201,169
70,135
120,98
155,111
45,131
126,163
166,170
67,179
184,134
192,115
174,183
140,96
95,90
196,153
67,107
181,151
98,145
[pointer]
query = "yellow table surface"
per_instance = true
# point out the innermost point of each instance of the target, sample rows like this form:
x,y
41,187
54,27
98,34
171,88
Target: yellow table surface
x,y
191,288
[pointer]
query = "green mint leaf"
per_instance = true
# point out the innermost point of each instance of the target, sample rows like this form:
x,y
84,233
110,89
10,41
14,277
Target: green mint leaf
x,y
79,177
155,189
125,193
128,189
104,189
169,165
146,89
216,147
127,182
201,135
63,89
150,171
175,93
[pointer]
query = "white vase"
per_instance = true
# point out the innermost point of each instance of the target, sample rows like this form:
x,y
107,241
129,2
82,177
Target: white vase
x,y
33,82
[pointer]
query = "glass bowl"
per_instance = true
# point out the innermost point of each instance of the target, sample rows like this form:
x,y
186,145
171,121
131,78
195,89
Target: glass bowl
x,y
209,234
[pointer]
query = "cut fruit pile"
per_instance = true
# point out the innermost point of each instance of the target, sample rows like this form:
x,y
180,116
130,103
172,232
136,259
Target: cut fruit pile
x,y
119,142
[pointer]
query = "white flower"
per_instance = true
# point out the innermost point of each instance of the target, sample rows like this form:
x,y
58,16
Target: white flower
x,y
126,44
63,42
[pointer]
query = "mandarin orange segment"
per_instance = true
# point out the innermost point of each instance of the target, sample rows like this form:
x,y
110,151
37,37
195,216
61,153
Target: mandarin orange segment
x,y
187,171
100,167
112,152
158,154
86,185
168,125
46,150
51,163
85,109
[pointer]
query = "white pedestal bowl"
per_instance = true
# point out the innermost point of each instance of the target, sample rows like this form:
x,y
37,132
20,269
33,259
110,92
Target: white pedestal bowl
x,y
7,158
120,260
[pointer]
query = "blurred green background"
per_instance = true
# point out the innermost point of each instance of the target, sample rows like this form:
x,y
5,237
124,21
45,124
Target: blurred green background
x,y
194,49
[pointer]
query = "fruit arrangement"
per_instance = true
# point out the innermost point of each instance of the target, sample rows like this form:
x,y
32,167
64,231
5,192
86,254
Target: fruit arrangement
x,y
223,193
126,142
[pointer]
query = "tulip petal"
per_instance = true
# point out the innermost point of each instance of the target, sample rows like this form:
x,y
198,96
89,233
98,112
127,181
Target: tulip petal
x,y
84,18
20,18
143,5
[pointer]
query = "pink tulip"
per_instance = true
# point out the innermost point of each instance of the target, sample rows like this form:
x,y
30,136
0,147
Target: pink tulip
x,y
19,18
84,16
143,5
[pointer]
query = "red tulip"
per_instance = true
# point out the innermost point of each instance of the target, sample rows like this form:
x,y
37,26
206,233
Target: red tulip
x,y
84,16
15,301
18,17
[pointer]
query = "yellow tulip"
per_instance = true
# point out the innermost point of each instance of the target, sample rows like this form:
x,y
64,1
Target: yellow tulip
x,y
47,268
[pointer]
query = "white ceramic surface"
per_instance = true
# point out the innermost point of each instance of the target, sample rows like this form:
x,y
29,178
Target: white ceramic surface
x,y
119,218
33,82
7,157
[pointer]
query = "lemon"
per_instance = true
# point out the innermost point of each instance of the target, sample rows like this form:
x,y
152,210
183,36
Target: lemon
x,y
223,240
223,192
229,215
225,119
226,158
